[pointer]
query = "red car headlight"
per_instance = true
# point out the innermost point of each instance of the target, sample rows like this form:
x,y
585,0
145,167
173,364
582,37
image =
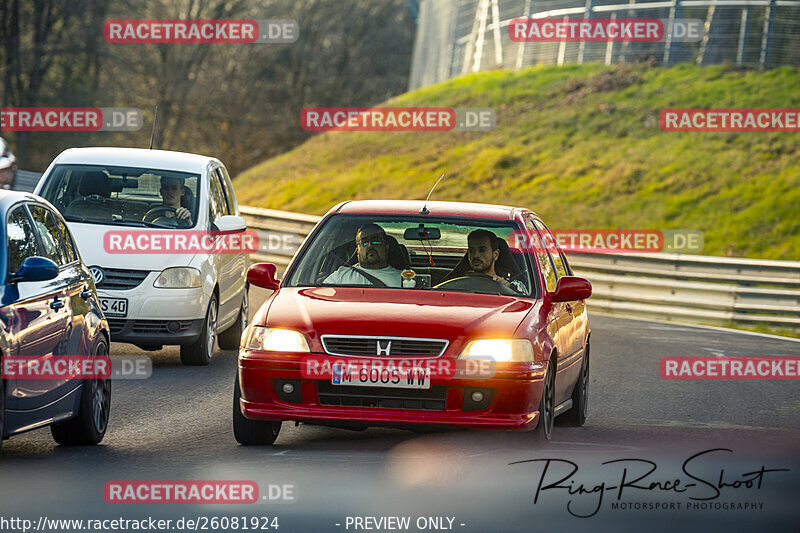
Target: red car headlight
x,y
499,350
274,340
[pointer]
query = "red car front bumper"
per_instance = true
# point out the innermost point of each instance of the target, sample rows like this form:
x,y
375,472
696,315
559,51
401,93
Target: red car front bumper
x,y
512,403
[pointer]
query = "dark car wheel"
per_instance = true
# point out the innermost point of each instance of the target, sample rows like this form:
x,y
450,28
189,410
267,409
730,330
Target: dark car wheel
x,y
199,353
251,432
230,338
544,429
576,416
89,427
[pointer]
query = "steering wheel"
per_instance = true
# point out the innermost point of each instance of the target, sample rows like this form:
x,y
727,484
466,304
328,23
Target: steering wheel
x,y
155,215
477,282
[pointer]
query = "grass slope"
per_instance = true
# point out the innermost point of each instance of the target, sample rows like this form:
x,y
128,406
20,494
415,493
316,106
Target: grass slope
x,y
581,146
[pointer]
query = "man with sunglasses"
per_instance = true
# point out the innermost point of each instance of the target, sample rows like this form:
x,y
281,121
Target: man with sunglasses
x,y
373,267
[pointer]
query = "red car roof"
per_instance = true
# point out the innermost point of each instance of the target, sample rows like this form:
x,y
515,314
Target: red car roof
x,y
413,207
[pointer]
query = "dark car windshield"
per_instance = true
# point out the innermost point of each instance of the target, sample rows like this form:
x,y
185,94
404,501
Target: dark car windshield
x,y
414,252
125,196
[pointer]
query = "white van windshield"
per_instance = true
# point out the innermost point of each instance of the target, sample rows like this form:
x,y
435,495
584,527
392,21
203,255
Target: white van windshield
x,y
125,196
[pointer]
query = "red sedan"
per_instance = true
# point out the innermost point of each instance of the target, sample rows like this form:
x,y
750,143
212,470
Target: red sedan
x,y
402,313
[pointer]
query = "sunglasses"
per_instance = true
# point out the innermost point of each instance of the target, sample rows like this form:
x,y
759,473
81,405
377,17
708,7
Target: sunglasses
x,y
375,242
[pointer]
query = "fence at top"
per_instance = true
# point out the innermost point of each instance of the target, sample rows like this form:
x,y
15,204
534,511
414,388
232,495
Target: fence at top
x,y
456,37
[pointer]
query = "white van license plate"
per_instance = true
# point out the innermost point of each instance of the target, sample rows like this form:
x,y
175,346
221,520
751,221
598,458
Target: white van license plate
x,y
116,307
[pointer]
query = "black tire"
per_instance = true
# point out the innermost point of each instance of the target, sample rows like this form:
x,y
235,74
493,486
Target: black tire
x,y
251,432
576,416
199,353
89,427
231,337
544,428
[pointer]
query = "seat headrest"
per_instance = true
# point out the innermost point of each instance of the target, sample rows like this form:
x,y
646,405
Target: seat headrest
x,y
505,266
95,182
397,254
187,200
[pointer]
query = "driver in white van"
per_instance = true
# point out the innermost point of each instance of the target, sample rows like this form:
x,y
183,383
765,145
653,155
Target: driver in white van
x,y
172,190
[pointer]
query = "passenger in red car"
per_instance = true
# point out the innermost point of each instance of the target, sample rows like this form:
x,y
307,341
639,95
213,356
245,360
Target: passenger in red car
x,y
373,262
483,250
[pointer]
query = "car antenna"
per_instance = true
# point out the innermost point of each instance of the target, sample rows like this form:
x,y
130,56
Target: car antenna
x,y
424,210
153,133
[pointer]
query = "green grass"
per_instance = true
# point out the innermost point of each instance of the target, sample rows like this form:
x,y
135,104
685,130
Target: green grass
x,y
581,146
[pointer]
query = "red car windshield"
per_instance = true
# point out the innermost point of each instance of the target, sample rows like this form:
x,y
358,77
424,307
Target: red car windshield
x,y
414,252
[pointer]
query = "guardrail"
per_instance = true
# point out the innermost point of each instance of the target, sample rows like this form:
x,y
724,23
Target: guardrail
x,y
686,288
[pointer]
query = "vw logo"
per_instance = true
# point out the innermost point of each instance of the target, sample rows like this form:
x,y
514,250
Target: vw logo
x,y
384,347
97,275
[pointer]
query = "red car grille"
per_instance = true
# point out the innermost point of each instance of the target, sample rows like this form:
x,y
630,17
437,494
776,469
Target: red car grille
x,y
433,399
368,345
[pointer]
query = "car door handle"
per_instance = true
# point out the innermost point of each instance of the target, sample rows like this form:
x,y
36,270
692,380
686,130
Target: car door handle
x,y
56,304
86,293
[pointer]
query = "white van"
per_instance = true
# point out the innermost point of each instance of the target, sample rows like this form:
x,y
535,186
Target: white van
x,y
153,298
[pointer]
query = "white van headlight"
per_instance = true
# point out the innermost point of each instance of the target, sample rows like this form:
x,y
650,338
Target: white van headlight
x,y
178,278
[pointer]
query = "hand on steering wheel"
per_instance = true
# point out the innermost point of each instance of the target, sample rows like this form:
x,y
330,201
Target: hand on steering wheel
x,y
181,214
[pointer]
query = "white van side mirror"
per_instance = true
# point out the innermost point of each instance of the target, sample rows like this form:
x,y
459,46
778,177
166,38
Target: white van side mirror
x,y
230,223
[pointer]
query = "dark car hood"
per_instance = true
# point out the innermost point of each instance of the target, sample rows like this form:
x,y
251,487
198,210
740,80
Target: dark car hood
x,y
396,312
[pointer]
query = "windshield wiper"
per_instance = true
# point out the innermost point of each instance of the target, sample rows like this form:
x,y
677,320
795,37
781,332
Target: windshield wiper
x,y
73,218
142,223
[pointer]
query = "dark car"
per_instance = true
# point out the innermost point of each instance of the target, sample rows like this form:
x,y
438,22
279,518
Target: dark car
x,y
48,312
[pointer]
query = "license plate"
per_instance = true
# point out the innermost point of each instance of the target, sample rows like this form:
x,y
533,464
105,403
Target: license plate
x,y
364,376
114,306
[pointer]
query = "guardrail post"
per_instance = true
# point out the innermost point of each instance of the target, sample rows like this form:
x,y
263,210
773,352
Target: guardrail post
x,y
562,46
742,35
526,13
673,13
766,36
582,47
626,44
498,41
610,44
706,34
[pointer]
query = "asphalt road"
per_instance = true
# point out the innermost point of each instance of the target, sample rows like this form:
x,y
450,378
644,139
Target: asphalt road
x,y
177,425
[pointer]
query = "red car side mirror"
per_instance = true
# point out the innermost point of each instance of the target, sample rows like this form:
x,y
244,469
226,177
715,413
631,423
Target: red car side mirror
x,y
263,275
570,288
